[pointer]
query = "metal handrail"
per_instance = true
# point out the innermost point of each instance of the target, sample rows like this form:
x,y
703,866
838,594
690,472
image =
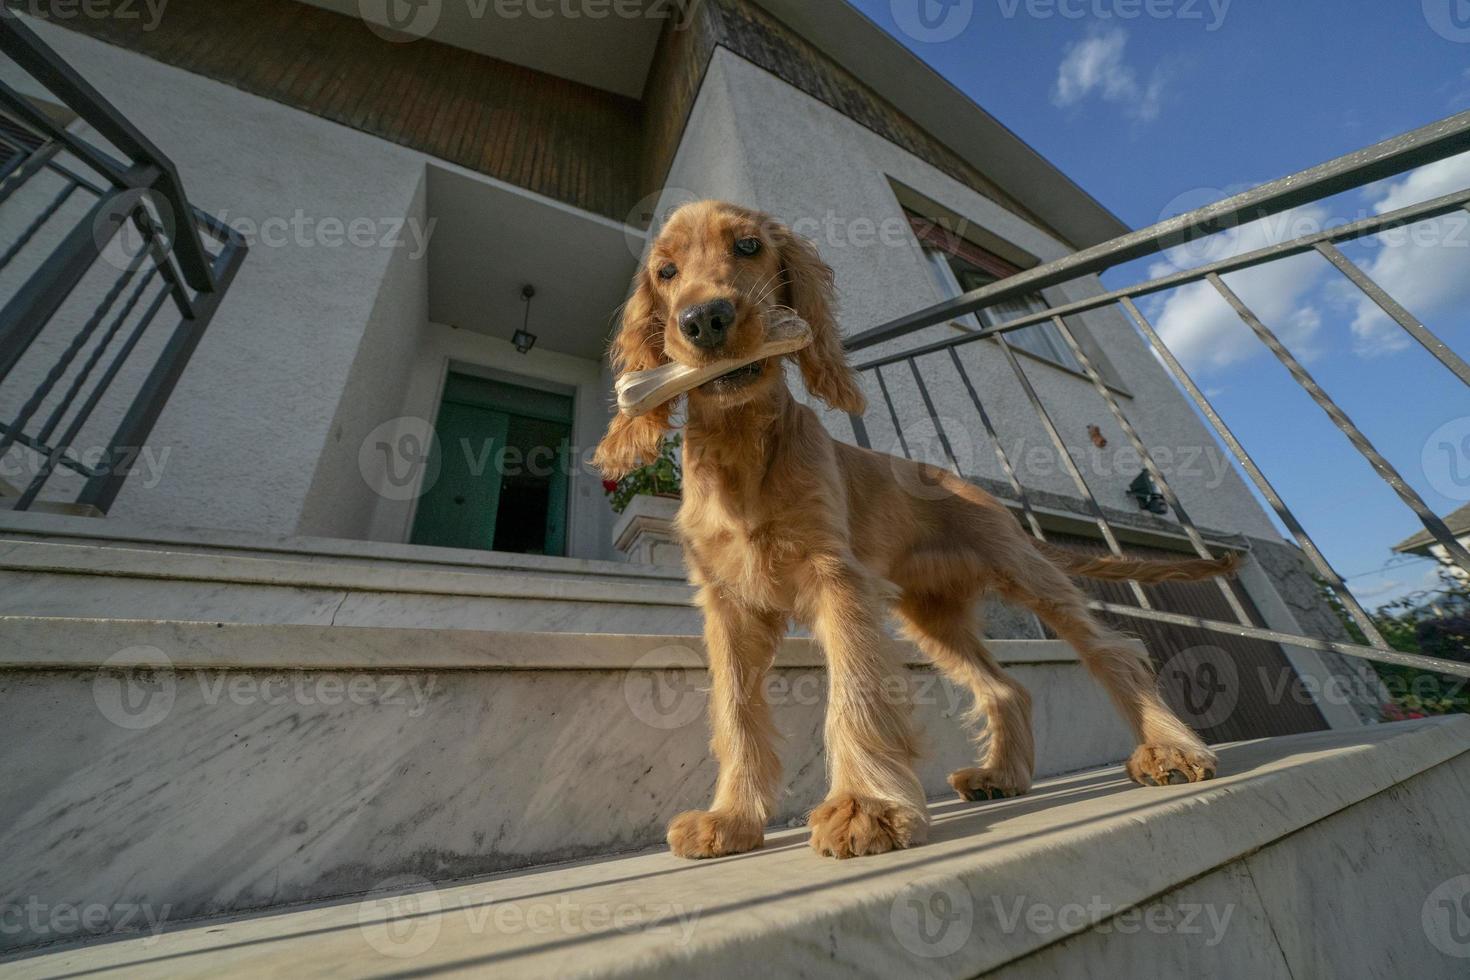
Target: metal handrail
x,y
1388,221
1431,143
143,191
1390,158
160,176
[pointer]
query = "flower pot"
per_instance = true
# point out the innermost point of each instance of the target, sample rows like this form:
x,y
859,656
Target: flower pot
x,y
644,531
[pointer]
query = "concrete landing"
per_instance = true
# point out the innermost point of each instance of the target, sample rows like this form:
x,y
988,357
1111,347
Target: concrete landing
x,y
999,886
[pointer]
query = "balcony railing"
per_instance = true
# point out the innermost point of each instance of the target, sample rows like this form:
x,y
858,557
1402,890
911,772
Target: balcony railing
x,y
1391,158
126,244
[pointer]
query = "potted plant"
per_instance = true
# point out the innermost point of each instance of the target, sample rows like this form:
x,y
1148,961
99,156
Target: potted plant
x,y
660,478
646,501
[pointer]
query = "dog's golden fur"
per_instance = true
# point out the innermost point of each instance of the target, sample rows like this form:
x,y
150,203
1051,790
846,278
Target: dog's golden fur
x,y
780,521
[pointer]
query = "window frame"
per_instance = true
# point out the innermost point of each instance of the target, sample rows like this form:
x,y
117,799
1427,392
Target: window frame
x,y
941,248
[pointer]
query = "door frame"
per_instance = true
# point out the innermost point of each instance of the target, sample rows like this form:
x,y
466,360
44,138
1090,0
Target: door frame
x,y
452,365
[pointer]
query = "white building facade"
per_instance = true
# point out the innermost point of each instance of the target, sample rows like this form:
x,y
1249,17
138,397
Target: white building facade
x,y
382,293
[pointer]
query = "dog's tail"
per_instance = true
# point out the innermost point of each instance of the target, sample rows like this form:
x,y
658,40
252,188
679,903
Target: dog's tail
x,y
1144,570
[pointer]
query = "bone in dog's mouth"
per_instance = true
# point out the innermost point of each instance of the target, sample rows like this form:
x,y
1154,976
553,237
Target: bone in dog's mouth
x,y
736,378
640,392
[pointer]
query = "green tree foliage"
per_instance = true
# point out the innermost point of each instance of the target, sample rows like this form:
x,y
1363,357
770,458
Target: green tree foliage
x,y
1434,624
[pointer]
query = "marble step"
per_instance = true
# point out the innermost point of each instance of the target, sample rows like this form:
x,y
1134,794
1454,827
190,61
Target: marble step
x,y
58,567
222,766
37,527
158,580
1087,876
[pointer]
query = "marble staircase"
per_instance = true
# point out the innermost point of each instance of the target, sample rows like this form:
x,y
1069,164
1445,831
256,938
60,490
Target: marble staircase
x,y
222,724
317,758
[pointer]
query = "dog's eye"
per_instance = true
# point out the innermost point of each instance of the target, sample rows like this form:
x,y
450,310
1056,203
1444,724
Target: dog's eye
x,y
748,246
668,271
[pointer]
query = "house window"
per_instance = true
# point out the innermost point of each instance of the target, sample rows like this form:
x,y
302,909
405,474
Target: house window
x,y
959,266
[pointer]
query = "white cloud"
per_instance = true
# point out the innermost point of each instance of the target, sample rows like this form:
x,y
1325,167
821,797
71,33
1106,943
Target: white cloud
x,y
1095,65
1426,267
1429,181
1206,334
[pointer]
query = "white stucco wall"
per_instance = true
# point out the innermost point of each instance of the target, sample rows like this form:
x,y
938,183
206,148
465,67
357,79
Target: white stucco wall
x,y
316,345
248,423
340,502
758,141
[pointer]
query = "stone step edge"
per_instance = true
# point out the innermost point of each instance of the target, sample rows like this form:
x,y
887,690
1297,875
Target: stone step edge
x,y
47,643
115,562
796,914
112,532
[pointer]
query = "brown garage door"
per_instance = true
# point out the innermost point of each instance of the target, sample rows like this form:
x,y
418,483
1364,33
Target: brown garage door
x,y
1227,687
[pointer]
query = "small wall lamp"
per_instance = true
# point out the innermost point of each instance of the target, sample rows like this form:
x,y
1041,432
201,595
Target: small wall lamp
x,y
524,339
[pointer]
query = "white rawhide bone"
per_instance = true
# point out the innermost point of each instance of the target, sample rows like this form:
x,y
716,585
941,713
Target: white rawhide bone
x,y
643,391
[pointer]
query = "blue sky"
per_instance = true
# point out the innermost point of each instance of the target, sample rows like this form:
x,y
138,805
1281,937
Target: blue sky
x,y
1158,114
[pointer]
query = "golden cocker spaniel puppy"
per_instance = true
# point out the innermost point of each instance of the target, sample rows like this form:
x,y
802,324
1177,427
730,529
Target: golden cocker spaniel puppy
x,y
781,521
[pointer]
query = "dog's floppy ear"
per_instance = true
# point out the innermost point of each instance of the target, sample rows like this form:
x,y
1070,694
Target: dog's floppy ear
x,y
809,291
638,346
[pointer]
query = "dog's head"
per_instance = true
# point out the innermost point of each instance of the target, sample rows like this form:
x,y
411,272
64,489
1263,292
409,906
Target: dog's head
x,y
711,282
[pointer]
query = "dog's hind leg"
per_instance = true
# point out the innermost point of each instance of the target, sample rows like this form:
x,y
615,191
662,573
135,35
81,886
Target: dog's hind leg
x,y
946,629
1168,750
741,643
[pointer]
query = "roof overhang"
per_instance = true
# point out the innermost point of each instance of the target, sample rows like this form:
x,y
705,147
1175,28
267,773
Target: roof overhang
x,y
1458,521
490,240
596,44
600,46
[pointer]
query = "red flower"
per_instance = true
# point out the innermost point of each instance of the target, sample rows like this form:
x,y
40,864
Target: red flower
x,y
609,486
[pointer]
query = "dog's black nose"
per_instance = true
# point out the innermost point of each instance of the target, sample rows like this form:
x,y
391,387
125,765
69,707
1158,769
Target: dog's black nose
x,y
705,324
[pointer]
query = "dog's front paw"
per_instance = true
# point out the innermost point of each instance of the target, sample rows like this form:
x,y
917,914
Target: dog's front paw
x,y
1161,765
852,826
987,784
710,833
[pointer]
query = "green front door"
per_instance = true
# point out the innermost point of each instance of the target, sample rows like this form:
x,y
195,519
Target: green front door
x,y
502,469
